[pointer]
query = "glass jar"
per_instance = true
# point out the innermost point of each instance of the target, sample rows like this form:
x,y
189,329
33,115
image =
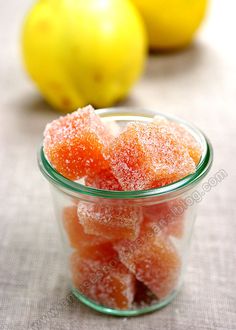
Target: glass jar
x,y
133,259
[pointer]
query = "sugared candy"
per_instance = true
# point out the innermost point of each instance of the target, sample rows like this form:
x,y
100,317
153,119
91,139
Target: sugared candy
x,y
74,144
75,232
183,136
145,157
104,180
110,221
101,277
165,218
153,259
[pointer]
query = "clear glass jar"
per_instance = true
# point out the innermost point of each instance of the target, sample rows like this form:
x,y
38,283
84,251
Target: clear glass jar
x,y
121,269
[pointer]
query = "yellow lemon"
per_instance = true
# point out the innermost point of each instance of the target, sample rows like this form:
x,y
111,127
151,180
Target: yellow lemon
x,y
171,23
84,52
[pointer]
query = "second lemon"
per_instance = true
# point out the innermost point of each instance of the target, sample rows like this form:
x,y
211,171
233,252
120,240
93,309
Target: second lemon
x,y
171,24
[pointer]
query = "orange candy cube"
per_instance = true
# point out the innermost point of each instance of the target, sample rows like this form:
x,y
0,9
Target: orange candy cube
x,y
142,157
183,136
101,277
164,217
75,232
74,144
153,259
110,221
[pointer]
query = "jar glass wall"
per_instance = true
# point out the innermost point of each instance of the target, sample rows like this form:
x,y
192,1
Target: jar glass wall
x,y
134,258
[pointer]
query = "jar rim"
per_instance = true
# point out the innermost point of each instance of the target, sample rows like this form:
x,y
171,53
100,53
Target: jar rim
x,y
187,182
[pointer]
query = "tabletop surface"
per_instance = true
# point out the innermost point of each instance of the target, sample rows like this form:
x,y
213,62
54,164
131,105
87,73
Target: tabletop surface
x,y
198,84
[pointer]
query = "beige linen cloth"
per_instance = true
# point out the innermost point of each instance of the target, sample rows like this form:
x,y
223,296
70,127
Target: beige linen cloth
x,y
198,84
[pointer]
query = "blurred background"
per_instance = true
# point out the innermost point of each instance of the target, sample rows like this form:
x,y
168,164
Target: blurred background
x,y
181,62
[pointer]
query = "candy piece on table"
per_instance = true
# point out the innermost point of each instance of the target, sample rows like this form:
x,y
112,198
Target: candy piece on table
x,y
164,216
101,277
145,157
104,180
75,232
181,133
74,144
153,259
110,221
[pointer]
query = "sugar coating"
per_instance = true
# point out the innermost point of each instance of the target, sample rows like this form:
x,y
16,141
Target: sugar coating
x,y
103,279
74,144
104,180
77,237
153,259
183,136
164,217
110,221
147,156
113,128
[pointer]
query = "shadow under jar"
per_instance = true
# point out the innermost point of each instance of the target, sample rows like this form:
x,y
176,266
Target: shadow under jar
x,y
127,250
